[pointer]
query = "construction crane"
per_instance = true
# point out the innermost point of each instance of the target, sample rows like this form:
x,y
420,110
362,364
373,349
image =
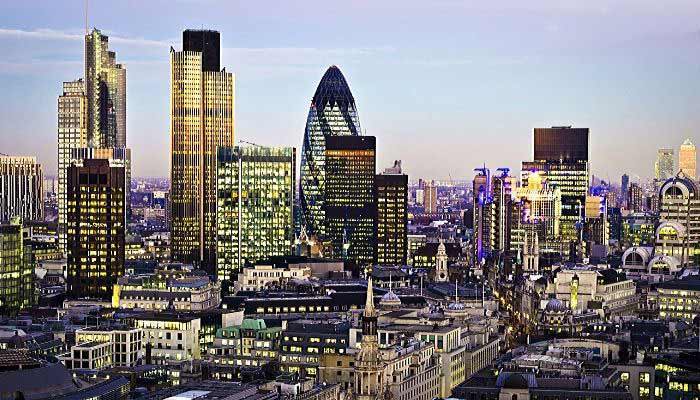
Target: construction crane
x,y
250,143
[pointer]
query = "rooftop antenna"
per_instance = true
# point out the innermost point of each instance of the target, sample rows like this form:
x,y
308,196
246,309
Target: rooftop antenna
x,y
86,17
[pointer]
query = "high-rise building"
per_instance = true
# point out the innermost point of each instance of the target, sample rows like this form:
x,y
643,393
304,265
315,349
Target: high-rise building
x,y
561,153
483,214
624,187
255,206
597,228
677,241
635,198
664,166
96,227
72,133
16,274
349,207
501,189
688,159
201,119
118,157
540,204
392,216
430,201
21,189
206,42
332,113
105,89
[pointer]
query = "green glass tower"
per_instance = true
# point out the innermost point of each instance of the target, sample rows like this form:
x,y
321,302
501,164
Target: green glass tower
x,y
16,275
255,205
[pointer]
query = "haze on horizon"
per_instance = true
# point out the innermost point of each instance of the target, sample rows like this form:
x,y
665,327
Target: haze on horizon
x,y
444,85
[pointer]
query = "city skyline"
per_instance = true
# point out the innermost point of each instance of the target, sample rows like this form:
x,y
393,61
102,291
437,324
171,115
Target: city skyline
x,y
472,78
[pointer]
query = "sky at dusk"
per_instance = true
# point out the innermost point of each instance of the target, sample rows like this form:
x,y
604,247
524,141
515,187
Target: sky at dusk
x,y
444,85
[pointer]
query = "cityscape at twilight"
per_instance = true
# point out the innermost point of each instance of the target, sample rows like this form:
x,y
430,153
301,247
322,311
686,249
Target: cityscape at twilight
x,y
361,200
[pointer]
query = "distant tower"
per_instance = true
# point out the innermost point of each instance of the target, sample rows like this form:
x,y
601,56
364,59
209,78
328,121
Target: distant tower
x,y
687,159
368,367
441,273
531,254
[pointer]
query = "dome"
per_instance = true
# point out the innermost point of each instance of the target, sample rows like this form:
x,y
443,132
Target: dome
x,y
390,299
555,305
636,256
515,381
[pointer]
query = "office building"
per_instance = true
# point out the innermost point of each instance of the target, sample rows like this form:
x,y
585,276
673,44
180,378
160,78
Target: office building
x,y
687,159
16,274
680,299
392,216
201,119
540,204
305,340
21,189
635,198
255,206
72,133
624,187
678,232
430,200
95,228
501,194
105,90
561,153
117,157
664,166
169,337
483,214
332,113
349,207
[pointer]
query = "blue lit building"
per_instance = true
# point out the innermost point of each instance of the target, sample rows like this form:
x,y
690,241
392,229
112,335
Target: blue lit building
x,y
332,113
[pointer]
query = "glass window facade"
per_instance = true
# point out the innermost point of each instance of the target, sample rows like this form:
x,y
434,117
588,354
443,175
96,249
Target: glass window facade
x,y
332,113
255,205
350,210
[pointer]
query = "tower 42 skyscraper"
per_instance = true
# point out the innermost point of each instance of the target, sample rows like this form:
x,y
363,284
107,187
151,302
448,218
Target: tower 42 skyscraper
x,y
332,113
201,119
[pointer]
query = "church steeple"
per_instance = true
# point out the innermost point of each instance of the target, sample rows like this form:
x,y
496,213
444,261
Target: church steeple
x,y
369,369
369,316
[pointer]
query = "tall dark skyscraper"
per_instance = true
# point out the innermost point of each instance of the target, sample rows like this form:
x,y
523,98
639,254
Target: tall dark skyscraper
x,y
392,216
561,155
561,144
625,185
332,113
201,120
349,209
206,42
96,227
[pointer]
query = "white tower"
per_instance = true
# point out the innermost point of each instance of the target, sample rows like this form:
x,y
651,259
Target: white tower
x,y
441,273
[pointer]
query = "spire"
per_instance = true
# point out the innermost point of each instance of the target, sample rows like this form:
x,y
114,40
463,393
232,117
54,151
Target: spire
x,y
456,292
369,303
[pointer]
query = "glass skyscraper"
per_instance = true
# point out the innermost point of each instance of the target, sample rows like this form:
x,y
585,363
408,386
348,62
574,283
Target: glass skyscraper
x,y
201,119
332,113
255,205
664,166
16,274
350,209
561,154
105,89
96,227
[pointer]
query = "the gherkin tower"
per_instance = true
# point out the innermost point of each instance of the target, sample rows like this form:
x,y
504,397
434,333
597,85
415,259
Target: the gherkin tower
x,y
332,113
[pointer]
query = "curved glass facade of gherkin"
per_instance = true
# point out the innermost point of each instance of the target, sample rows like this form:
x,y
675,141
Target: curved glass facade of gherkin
x,y
332,113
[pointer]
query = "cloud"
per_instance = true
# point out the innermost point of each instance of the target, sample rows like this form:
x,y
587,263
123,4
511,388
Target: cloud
x,y
50,34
